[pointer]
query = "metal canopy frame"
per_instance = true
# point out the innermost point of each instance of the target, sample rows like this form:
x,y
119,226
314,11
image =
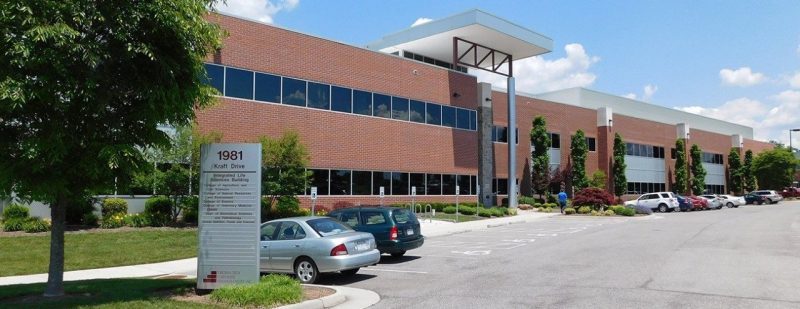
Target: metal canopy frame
x,y
491,55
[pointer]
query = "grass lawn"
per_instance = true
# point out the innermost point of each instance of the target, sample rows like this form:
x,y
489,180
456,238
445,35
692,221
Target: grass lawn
x,y
449,217
23,255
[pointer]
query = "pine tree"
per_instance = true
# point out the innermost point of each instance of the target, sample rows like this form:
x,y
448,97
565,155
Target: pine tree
x,y
620,181
578,151
747,172
681,172
698,171
540,160
735,171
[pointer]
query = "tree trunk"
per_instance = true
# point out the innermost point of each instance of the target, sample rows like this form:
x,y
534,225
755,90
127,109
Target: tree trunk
x,y
55,275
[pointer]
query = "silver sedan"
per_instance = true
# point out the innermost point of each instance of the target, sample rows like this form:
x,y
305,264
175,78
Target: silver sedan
x,y
308,246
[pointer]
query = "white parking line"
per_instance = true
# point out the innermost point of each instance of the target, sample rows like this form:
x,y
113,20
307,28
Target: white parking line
x,y
395,270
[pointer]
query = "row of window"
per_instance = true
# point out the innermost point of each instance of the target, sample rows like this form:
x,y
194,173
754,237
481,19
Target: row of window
x,y
713,158
350,182
500,134
432,61
646,187
245,84
715,189
640,150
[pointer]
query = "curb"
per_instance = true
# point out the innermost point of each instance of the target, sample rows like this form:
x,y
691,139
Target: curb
x,y
329,301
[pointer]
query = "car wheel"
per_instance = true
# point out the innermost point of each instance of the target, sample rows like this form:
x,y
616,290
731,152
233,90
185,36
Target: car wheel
x,y
759,203
350,272
398,254
730,205
769,201
306,270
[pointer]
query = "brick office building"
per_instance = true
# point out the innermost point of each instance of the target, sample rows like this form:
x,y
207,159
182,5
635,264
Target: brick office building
x,y
393,117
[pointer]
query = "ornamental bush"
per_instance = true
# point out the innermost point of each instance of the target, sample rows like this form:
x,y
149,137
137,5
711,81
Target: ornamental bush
x,y
90,219
449,210
158,210
617,209
113,221
466,210
13,224
113,206
609,212
190,209
569,211
593,197
628,212
36,225
138,220
16,211
584,210
485,212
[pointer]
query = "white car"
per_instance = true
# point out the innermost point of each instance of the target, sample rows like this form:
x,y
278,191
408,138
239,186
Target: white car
x,y
661,201
732,201
714,202
771,196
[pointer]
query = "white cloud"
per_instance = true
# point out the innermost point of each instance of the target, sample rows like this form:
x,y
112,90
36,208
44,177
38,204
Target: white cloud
x,y
261,10
649,91
741,77
794,81
420,21
536,74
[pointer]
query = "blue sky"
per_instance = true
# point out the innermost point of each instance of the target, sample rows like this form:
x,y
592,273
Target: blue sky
x,y
734,60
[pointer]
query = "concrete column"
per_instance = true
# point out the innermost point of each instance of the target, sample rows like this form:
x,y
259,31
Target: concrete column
x,y
605,145
485,146
512,145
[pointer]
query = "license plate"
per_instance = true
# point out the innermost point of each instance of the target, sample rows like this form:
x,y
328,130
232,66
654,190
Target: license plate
x,y
362,246
410,232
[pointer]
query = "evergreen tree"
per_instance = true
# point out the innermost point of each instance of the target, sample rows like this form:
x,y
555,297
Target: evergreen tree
x,y
735,172
540,160
747,172
578,150
698,171
620,181
681,171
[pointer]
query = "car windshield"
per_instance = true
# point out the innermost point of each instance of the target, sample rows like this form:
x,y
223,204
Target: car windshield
x,y
327,227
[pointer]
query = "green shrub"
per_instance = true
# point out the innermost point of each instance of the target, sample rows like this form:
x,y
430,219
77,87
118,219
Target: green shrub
x,y
527,200
113,206
628,212
113,221
511,212
190,209
466,210
287,206
552,199
76,211
485,212
449,210
593,213
546,209
13,224
609,212
498,211
617,209
271,290
90,219
569,211
136,220
158,210
16,211
584,210
551,205
538,205
35,225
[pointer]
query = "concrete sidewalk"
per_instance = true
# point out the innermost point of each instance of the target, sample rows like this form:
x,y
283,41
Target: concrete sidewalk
x,y
432,228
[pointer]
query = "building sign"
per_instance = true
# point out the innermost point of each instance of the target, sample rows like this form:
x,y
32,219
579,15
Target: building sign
x,y
230,215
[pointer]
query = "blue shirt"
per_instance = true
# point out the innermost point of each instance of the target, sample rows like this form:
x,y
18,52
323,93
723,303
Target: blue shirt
x,y
562,197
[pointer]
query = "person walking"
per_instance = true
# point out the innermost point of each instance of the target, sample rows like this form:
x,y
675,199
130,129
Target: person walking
x,y
562,200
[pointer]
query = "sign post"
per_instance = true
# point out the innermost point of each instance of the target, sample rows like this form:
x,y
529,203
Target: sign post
x,y
381,191
457,189
478,194
413,194
313,200
229,215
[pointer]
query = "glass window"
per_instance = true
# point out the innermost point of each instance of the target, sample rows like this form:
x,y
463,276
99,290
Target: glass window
x,y
472,185
372,217
449,184
341,99
268,88
673,153
383,105
403,216
449,116
340,182
433,184
628,149
502,186
268,231
362,102
417,111
590,141
399,108
350,218
362,183
433,114
473,120
327,226
381,179
294,92
462,118
555,140
502,134
463,184
319,179
238,83
216,77
418,181
291,231
319,96
400,184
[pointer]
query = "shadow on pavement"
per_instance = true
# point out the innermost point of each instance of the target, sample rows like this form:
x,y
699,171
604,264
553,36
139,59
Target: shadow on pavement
x,y
338,279
388,259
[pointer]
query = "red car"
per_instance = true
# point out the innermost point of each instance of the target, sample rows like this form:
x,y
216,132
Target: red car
x,y
698,203
790,192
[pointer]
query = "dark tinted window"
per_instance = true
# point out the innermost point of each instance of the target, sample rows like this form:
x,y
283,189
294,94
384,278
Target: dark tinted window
x,y
448,116
238,83
673,153
319,96
449,184
501,134
381,179
433,114
319,179
555,140
399,108
403,216
340,182
383,106
400,184
462,119
418,180
417,111
590,141
463,184
473,118
268,88
294,92
433,184
472,185
341,99
362,102
216,77
362,183
371,217
501,186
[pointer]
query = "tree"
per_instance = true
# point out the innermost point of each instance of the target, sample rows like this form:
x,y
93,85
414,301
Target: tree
x,y
747,172
540,167
620,181
681,172
578,150
735,171
598,180
283,174
698,171
84,85
774,168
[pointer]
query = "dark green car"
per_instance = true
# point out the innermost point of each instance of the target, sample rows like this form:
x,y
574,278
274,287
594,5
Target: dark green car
x,y
396,230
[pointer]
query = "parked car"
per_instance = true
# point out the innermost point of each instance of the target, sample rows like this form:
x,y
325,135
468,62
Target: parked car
x,y
790,192
771,196
308,246
684,203
661,201
396,230
714,202
752,198
732,201
698,203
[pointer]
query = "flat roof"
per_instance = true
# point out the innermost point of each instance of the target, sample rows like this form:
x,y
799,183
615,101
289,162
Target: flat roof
x,y
435,38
